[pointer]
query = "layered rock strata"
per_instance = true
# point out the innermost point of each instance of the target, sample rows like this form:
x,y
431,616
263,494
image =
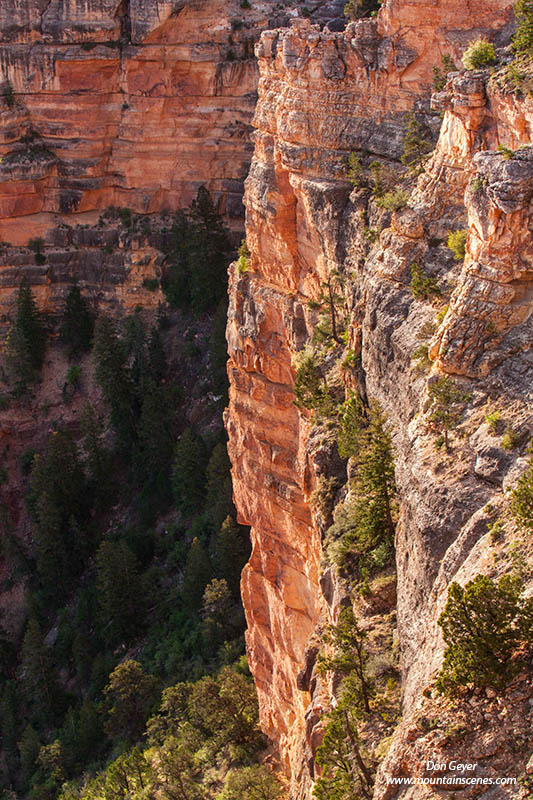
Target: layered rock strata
x,y
321,96
124,103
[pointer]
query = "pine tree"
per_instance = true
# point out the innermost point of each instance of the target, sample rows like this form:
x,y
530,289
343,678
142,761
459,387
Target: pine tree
x,y
188,473
208,253
415,145
119,587
219,489
232,550
115,382
362,537
198,573
29,747
484,624
59,508
522,497
38,678
77,323
26,340
523,38
131,695
218,351
447,406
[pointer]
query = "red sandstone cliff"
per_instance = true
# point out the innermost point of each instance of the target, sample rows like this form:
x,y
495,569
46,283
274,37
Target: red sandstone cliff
x,y
321,96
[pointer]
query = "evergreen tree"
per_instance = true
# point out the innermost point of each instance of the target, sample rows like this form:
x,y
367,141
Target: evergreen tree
x,y
119,587
198,573
26,340
29,747
349,657
100,485
8,721
484,624
59,508
218,352
415,145
131,695
115,382
523,38
188,473
447,406
522,497
219,489
175,281
156,428
232,550
362,537
256,782
209,253
156,357
77,323
38,678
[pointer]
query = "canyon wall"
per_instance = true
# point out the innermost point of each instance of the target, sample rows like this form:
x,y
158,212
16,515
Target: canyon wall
x,y
322,96
127,103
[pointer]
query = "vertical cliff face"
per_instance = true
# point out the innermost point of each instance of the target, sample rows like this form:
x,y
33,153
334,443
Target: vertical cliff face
x,y
321,96
124,103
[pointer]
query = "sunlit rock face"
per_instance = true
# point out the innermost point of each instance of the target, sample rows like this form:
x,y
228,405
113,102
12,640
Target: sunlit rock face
x,y
323,95
134,104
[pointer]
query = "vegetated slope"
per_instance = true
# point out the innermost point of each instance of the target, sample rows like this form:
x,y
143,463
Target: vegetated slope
x,y
121,555
390,257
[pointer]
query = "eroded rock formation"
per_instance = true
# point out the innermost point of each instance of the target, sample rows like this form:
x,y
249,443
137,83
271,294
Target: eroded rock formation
x,y
321,96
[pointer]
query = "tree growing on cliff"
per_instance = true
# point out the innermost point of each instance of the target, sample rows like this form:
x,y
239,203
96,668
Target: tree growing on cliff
x,y
188,472
115,382
332,301
361,540
347,771
415,143
522,497
77,323
523,38
26,340
488,629
447,407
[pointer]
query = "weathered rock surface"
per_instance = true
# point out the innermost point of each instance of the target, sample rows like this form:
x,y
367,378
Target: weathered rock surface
x,y
321,96
133,104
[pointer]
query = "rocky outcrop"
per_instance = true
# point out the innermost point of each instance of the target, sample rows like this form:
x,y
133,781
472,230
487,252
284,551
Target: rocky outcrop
x,y
323,95
132,104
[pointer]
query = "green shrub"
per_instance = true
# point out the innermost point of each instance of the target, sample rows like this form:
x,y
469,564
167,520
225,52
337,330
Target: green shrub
x,y
485,625
440,76
151,284
479,53
310,387
355,169
510,438
522,497
523,38
506,152
243,262
245,4
73,375
423,286
415,144
394,200
492,420
421,356
457,244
